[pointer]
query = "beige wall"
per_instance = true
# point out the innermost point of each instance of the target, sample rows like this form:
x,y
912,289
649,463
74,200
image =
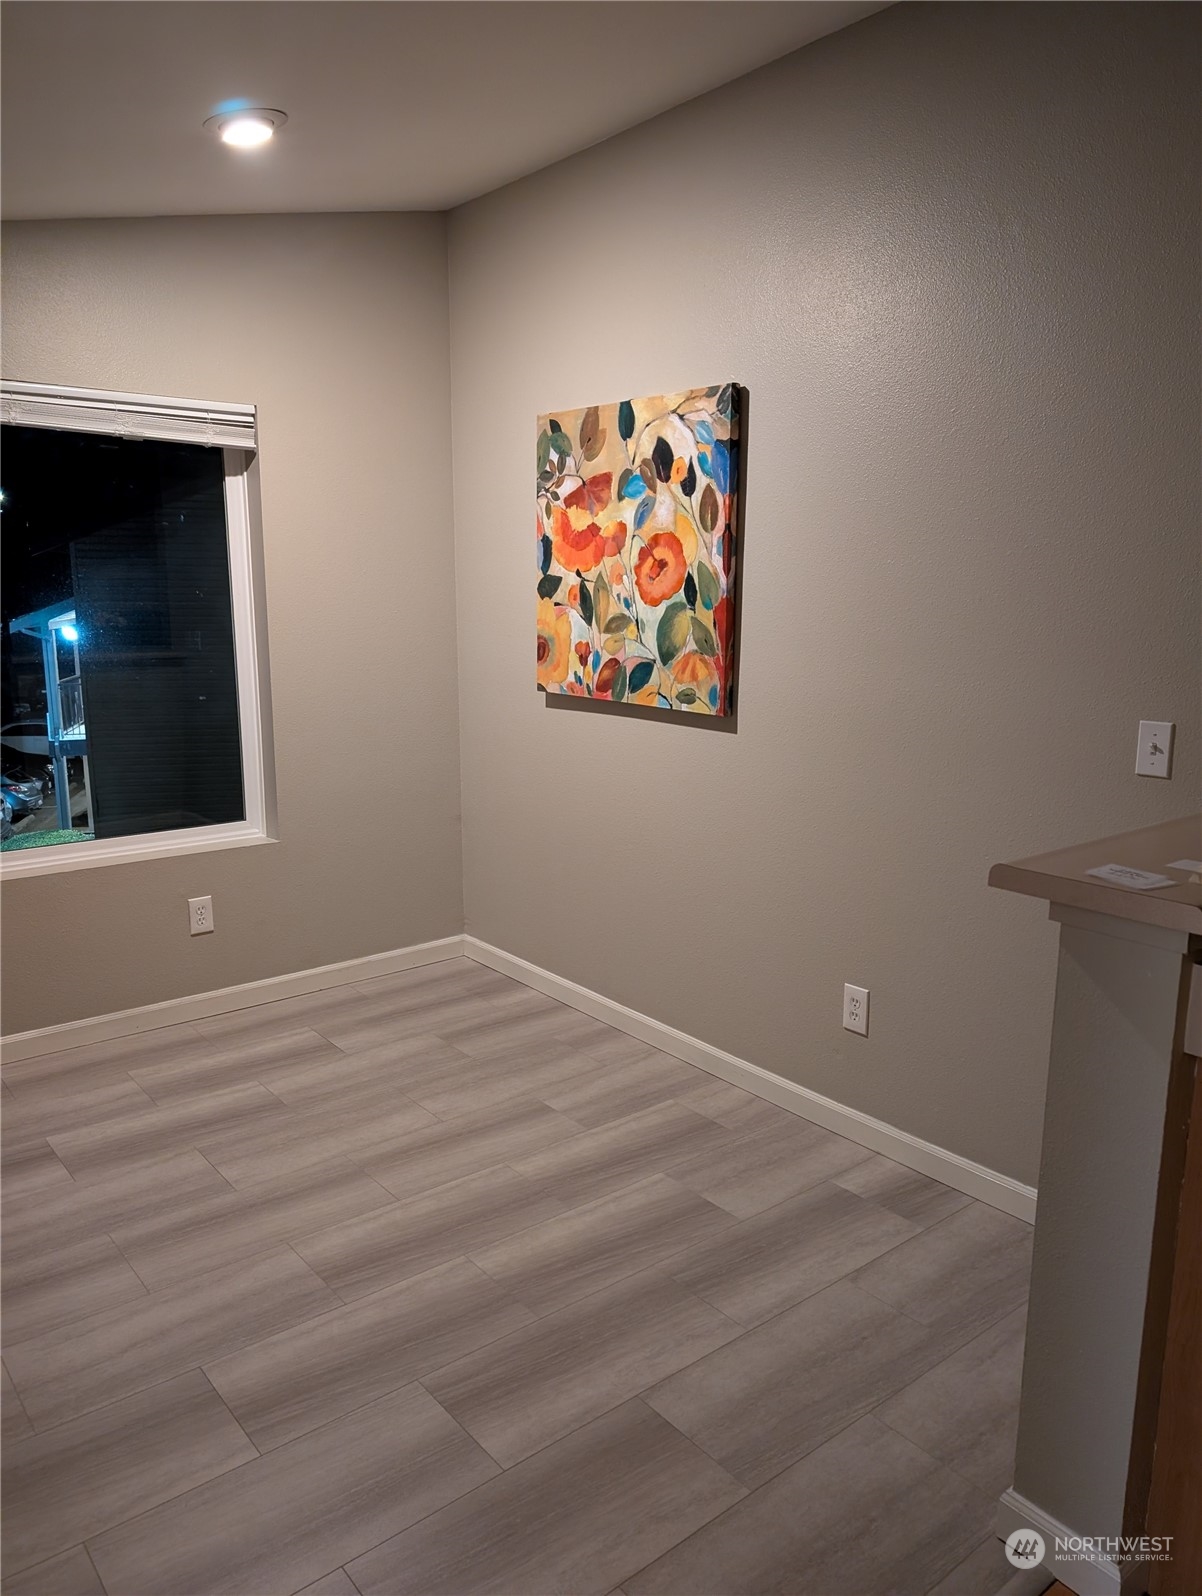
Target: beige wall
x,y
336,327
952,252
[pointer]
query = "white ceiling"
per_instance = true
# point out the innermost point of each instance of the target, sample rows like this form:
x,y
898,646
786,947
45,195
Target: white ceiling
x,y
393,104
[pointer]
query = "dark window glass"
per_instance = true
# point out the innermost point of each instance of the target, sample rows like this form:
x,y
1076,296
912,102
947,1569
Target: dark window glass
x,y
119,686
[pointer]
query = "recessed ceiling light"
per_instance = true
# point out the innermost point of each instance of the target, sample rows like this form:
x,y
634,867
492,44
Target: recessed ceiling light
x,y
246,128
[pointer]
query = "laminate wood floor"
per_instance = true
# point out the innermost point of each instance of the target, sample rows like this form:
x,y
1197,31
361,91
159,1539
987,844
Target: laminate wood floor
x,y
434,1285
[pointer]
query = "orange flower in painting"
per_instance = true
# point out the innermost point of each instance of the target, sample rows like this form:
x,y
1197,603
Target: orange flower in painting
x,y
694,678
615,537
659,570
576,549
592,495
693,670
554,643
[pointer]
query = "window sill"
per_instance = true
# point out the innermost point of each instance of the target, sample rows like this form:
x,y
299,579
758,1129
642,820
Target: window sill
x,y
128,850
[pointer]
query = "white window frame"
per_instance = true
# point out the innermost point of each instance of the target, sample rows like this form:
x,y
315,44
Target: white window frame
x,y
233,429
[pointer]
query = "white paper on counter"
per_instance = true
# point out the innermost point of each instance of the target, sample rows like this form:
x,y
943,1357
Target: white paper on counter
x,y
1118,875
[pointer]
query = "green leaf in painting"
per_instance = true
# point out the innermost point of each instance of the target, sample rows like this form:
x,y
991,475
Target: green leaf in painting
x,y
722,403
625,477
586,604
549,586
686,695
592,434
620,684
544,551
626,420
640,675
615,624
704,638
672,633
709,509
544,451
561,444
707,585
602,602
690,590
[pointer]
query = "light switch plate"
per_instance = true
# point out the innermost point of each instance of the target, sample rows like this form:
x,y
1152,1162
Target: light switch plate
x,y
1154,756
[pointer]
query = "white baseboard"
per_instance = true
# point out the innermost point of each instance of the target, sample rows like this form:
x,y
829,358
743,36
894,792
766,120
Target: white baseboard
x,y
201,1005
1000,1191
961,1173
1086,1574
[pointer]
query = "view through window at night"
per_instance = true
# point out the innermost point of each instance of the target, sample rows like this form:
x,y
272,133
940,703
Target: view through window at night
x,y
120,713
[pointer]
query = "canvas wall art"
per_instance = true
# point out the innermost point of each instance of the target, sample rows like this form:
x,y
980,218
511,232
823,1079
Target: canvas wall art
x,y
636,550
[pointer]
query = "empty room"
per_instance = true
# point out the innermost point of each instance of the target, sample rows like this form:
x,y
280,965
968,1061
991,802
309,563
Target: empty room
x,y
657,1058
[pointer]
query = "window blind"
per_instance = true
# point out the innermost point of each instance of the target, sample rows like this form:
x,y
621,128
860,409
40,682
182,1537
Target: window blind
x,y
123,415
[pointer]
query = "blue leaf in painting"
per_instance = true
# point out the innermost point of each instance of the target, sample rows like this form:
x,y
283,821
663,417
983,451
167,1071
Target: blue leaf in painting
x,y
596,658
642,511
714,695
640,675
703,460
705,433
635,487
720,467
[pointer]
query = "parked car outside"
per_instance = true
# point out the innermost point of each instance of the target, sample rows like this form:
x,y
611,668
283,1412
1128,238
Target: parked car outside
x,y
24,794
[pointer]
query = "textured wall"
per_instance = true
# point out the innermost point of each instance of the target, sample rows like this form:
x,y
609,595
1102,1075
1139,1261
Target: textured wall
x,y
336,327
953,254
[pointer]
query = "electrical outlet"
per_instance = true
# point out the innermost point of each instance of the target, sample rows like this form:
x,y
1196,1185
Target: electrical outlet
x,y
1155,753
200,916
855,1009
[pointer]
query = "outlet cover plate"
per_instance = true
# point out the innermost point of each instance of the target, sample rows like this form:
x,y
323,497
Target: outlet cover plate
x,y
855,1009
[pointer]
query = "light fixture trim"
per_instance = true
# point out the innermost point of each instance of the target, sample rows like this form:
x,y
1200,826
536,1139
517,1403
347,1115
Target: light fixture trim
x,y
262,115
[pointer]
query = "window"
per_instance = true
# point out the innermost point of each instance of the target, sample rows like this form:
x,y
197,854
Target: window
x,y
131,722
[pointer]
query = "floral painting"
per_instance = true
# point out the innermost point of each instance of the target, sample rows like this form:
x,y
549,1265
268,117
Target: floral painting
x,y
636,550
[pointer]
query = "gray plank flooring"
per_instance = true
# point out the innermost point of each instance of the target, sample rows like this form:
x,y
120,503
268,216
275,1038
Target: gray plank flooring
x,y
69,1574
431,1284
